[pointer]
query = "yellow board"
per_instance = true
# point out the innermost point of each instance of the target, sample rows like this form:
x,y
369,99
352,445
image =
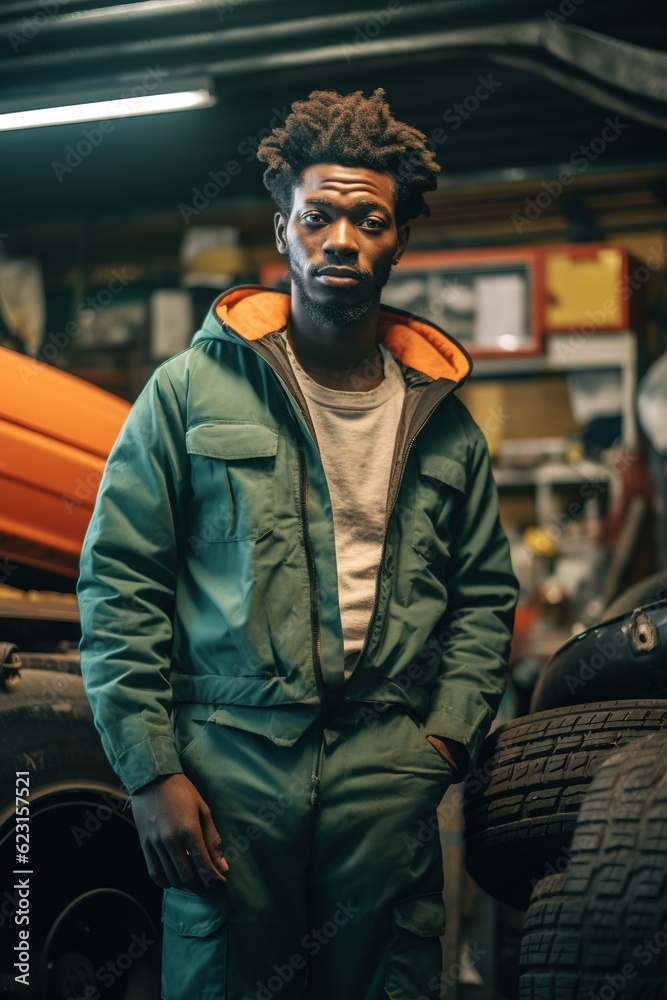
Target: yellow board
x,y
584,289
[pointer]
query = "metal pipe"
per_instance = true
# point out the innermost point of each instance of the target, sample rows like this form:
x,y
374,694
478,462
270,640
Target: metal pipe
x,y
584,88
144,10
486,41
622,64
257,34
124,15
457,44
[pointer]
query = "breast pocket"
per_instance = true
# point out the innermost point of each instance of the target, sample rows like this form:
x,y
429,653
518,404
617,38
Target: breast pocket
x,y
442,485
233,480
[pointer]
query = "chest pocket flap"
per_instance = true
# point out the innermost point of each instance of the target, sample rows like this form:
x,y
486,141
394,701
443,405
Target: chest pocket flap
x,y
229,440
445,470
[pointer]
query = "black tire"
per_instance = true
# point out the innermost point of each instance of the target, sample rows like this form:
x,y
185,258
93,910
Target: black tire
x,y
603,928
540,921
621,658
89,890
522,800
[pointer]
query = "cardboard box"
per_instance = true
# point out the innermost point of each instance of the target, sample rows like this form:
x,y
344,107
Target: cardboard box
x,y
512,408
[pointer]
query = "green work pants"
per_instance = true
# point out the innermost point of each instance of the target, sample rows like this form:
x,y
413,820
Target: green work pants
x,y
333,890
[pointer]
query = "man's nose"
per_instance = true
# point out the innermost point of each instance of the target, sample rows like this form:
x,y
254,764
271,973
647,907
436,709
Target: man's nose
x,y
341,239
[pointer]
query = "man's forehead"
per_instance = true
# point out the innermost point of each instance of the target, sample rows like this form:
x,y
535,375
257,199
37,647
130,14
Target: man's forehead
x,y
353,183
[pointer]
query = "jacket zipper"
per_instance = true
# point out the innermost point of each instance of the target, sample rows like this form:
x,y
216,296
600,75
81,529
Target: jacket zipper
x,y
397,490
304,495
232,504
314,600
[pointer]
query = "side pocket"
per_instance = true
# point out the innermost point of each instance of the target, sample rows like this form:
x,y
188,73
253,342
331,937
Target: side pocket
x,y
453,774
194,946
189,722
414,965
442,760
203,725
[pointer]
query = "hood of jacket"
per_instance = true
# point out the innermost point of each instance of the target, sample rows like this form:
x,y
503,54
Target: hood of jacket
x,y
251,312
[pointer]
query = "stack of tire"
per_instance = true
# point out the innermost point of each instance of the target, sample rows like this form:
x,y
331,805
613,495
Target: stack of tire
x,y
600,929
566,812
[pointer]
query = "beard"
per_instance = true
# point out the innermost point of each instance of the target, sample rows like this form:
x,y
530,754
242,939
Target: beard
x,y
332,313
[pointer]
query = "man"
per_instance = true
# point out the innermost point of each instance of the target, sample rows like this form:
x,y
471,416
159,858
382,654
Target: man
x,y
297,598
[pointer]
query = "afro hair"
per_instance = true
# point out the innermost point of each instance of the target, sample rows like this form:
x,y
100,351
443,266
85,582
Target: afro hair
x,y
353,131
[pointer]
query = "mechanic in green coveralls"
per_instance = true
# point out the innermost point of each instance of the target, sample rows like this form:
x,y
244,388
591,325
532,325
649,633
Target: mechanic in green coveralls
x,y
297,599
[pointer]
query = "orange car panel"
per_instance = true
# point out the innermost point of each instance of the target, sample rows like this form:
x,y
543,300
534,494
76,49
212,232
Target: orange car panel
x,y
56,431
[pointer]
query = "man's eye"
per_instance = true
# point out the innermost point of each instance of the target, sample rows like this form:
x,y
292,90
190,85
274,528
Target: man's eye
x,y
377,223
310,214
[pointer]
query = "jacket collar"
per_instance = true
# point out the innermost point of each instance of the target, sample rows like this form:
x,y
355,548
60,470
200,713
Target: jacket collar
x,y
251,312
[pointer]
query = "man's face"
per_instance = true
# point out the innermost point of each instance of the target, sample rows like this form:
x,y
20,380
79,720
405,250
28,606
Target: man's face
x,y
342,217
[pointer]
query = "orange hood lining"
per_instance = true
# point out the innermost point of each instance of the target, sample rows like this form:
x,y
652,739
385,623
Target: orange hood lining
x,y
255,312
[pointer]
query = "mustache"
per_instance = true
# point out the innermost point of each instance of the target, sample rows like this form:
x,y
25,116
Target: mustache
x,y
361,274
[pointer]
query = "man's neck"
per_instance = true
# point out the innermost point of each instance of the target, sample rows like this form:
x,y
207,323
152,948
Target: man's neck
x,y
344,358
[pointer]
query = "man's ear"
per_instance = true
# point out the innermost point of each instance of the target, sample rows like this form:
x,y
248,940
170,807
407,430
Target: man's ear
x,y
280,223
403,237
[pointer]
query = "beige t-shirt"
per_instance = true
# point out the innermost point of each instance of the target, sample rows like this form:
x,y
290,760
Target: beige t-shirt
x,y
356,432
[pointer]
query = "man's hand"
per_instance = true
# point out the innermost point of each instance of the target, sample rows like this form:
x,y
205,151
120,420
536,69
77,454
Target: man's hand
x,y
181,845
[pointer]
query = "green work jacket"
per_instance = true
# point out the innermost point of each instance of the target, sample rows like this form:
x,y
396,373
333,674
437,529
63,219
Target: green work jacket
x,y
208,570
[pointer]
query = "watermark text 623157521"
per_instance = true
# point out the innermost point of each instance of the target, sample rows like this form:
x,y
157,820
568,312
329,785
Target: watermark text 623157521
x,y
22,874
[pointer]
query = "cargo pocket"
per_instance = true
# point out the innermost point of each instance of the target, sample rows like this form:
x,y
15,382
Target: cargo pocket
x,y
194,946
233,479
441,486
414,964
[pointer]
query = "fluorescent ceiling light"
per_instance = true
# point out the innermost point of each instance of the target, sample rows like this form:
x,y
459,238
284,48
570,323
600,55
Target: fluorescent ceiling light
x,y
124,107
